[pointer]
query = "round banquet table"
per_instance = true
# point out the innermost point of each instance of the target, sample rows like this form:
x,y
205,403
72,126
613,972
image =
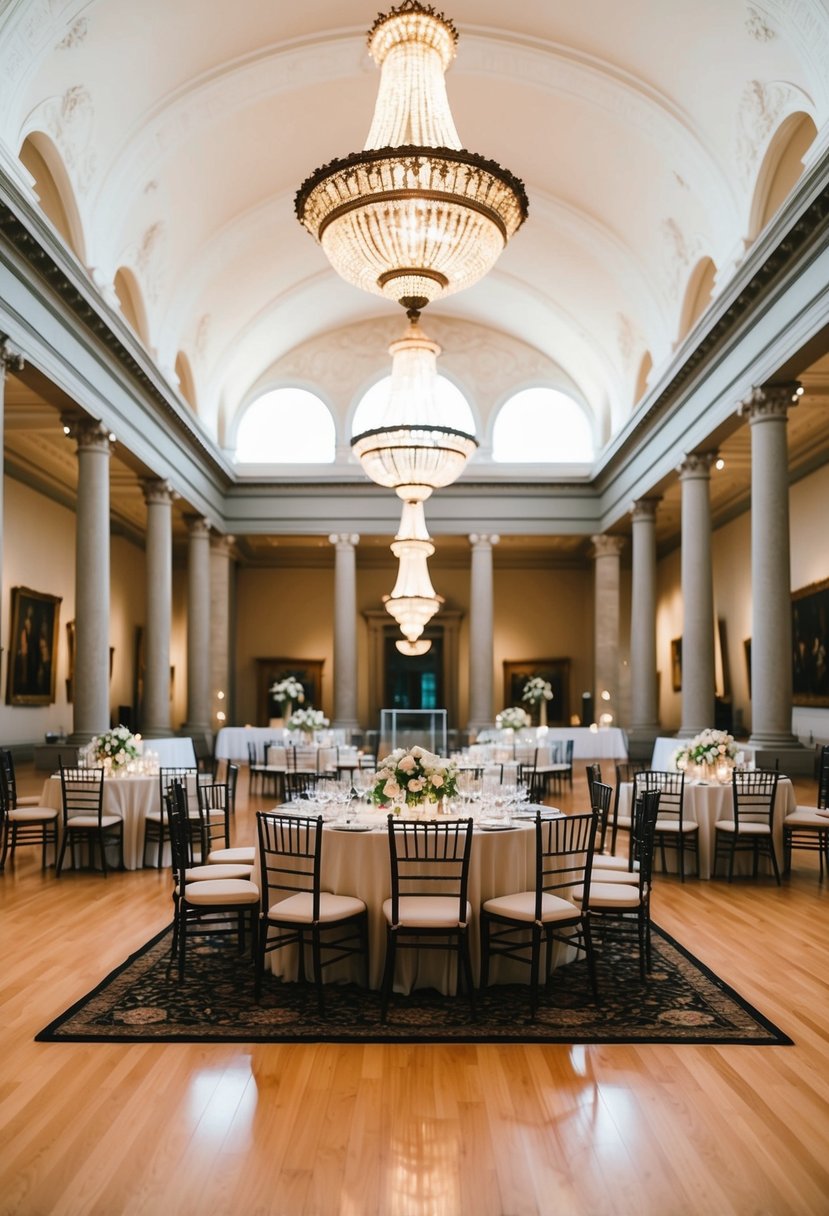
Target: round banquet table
x,y
129,797
706,803
357,863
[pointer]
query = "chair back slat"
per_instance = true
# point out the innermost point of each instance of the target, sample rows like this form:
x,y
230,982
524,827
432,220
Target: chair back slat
x,y
82,792
823,779
563,855
754,793
290,857
645,813
429,858
600,799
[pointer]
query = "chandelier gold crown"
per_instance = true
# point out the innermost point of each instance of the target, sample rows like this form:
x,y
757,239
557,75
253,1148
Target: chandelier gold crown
x,y
414,217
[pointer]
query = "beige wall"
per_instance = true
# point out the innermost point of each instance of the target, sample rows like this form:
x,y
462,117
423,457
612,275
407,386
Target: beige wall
x,y
731,558
39,552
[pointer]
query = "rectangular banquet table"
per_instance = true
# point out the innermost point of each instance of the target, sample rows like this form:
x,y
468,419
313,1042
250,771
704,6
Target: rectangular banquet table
x,y
706,803
357,863
129,797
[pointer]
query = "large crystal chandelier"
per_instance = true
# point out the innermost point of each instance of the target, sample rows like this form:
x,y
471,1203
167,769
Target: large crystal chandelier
x,y
413,601
411,452
413,217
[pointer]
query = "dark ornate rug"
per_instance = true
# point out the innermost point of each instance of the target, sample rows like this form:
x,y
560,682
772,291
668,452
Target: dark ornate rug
x,y
681,1002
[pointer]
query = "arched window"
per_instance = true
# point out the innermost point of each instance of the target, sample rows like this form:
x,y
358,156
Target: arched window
x,y
40,156
698,295
781,168
452,407
286,426
131,303
542,425
186,385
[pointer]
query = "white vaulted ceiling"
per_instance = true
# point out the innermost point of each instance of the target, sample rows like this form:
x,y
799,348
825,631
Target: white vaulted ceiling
x,y
184,127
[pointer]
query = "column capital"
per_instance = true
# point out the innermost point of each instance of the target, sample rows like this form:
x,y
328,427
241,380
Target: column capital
x,y
90,434
483,540
607,546
346,539
158,491
696,464
197,526
10,356
769,401
644,508
223,544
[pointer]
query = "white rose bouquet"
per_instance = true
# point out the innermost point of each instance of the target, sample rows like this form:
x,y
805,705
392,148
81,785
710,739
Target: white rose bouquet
x,y
414,777
537,690
513,718
288,689
113,749
709,747
308,720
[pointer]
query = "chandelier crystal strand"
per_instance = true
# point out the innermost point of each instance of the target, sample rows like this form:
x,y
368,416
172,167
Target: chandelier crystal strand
x,y
413,601
411,452
413,217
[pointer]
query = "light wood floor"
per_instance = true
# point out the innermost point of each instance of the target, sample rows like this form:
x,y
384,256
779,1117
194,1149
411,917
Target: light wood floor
x,y
107,1129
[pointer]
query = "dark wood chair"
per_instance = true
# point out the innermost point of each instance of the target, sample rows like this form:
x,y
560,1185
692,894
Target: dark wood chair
x,y
428,908
805,828
84,821
626,771
219,906
673,829
155,820
295,910
515,925
749,830
22,825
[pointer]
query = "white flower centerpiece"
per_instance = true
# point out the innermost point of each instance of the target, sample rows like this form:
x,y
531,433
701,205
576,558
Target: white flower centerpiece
x,y
538,691
307,720
117,751
413,778
512,718
285,692
712,754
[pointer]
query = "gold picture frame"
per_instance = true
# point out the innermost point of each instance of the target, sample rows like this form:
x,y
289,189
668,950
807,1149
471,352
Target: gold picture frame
x,y
35,620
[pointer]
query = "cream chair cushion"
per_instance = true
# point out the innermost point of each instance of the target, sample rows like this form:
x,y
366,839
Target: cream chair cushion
x,y
222,891
299,908
521,906
426,911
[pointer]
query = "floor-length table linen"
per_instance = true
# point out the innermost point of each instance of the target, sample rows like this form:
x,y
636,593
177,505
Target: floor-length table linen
x,y
129,797
705,803
357,863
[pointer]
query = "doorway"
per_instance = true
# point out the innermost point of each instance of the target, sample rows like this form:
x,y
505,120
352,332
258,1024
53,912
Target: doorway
x,y
413,681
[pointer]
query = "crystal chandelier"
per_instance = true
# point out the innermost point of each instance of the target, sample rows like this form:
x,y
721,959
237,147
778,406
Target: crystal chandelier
x,y
413,601
413,217
411,452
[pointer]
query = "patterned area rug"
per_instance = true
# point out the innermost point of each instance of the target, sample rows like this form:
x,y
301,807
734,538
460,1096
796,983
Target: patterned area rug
x,y
681,1002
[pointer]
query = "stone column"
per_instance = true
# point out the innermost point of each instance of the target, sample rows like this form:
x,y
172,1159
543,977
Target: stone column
x,y
345,630
221,691
644,713
156,708
606,555
481,632
698,681
10,357
198,724
92,590
771,612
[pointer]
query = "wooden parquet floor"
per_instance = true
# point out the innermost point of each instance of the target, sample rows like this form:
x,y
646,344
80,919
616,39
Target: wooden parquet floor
x,y
382,1130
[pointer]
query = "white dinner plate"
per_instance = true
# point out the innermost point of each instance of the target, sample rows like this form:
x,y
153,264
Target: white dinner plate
x,y
496,827
351,827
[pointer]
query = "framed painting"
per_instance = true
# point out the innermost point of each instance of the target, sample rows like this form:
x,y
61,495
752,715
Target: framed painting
x,y
557,674
268,671
810,641
35,619
676,664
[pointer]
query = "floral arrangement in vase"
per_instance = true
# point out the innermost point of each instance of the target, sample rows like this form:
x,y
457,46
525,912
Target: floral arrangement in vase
x,y
114,749
513,718
286,691
414,777
537,690
307,720
713,751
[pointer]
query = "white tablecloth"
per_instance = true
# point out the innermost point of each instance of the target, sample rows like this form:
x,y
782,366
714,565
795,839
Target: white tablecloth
x,y
606,743
705,804
178,752
232,741
356,863
128,797
665,746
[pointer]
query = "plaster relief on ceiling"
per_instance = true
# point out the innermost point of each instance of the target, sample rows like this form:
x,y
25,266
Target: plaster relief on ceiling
x,y
757,26
28,33
628,338
149,259
804,21
203,336
763,106
680,253
69,120
75,36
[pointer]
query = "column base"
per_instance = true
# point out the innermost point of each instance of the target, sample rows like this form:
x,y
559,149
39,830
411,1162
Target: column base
x,y
474,728
791,756
79,737
641,740
347,724
157,732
